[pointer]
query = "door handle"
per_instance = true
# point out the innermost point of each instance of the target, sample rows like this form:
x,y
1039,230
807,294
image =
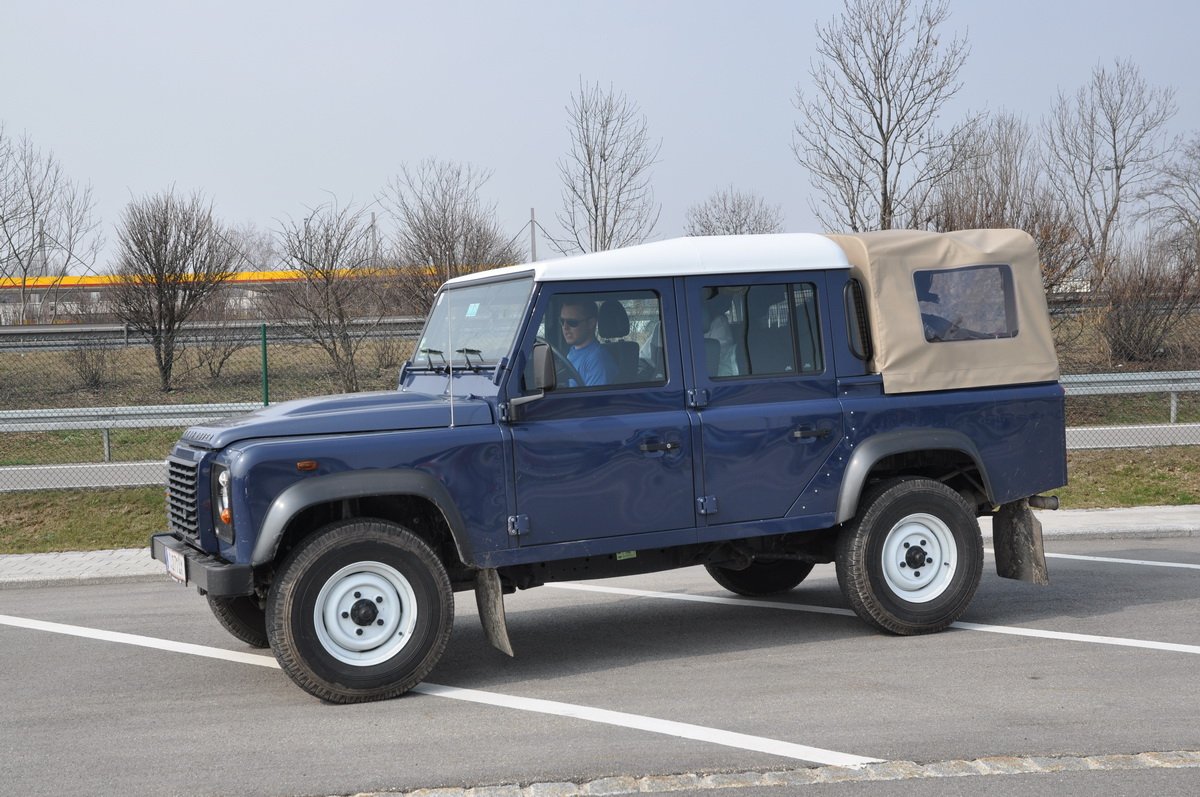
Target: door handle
x,y
659,446
809,434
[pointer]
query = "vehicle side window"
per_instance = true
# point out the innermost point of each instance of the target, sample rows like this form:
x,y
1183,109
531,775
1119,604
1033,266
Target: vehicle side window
x,y
605,339
970,303
858,328
762,330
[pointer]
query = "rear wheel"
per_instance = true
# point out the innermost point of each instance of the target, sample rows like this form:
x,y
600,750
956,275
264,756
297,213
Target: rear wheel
x,y
243,617
762,578
362,610
911,560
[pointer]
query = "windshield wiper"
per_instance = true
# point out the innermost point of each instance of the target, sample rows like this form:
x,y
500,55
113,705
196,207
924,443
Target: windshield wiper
x,y
445,366
467,354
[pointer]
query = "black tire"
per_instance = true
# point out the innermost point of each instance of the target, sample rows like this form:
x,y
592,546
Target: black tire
x,y
362,610
243,617
911,560
762,578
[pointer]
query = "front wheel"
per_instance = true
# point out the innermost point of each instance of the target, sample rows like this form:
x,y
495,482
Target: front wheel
x,y
911,560
362,610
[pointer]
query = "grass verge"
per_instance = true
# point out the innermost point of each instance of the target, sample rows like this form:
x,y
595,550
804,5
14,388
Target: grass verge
x,y
86,520
80,520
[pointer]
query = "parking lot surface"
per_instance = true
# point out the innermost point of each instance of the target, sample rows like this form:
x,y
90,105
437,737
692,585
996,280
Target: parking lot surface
x,y
661,682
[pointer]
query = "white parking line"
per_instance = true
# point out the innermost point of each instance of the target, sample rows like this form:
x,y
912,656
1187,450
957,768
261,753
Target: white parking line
x,y
1112,560
741,741
799,607
667,727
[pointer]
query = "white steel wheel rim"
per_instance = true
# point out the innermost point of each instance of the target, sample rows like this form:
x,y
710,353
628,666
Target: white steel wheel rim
x,y
365,614
919,558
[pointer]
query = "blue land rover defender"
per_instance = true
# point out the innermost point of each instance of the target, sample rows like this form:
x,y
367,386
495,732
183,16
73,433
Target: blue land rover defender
x,y
752,404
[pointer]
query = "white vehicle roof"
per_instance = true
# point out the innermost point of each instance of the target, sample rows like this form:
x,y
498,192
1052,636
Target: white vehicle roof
x,y
714,254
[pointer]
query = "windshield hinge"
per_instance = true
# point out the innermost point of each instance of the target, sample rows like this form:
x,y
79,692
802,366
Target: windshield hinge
x,y
518,525
697,398
707,505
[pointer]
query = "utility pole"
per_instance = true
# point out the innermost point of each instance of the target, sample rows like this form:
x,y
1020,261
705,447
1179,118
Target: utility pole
x,y
532,236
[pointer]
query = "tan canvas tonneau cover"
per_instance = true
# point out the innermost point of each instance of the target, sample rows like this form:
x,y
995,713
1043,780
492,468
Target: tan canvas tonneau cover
x,y
894,266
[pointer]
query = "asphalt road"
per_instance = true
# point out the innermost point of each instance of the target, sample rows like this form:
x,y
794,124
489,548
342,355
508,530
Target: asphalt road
x,y
768,693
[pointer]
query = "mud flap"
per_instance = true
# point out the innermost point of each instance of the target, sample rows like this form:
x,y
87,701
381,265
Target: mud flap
x,y
490,599
1017,538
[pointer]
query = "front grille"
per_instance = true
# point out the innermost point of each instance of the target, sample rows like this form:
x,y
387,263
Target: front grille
x,y
182,497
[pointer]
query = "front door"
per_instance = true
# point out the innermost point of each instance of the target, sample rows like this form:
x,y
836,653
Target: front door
x,y
609,451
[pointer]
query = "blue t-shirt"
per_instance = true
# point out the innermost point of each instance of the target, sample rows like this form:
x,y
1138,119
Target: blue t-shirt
x,y
594,363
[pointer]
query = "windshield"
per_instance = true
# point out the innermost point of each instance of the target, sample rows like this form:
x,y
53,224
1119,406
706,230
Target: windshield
x,y
473,326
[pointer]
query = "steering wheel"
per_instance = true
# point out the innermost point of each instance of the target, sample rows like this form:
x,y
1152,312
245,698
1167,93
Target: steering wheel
x,y
563,370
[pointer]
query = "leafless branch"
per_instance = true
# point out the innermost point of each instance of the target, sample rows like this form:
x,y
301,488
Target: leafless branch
x,y
173,255
868,134
1103,144
607,198
342,292
732,212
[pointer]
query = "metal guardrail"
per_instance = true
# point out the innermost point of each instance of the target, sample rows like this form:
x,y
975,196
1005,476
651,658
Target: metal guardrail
x,y
1170,382
104,419
108,418
51,420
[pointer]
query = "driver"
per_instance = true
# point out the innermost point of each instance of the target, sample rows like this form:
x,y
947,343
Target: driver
x,y
594,363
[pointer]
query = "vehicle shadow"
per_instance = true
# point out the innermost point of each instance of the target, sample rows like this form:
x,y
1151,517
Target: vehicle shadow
x,y
590,632
600,632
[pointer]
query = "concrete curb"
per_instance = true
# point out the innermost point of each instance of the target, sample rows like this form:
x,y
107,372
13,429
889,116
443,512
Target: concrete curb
x,y
134,565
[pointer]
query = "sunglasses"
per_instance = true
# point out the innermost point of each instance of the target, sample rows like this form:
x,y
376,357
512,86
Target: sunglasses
x,y
571,322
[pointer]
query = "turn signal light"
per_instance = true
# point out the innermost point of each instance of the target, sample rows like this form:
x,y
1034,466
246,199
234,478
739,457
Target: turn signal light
x,y
306,465
226,516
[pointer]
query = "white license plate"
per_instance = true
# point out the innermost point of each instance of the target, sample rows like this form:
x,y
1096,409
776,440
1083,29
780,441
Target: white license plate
x,y
176,566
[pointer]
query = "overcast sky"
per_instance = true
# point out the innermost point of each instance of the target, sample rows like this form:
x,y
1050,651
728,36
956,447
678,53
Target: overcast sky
x,y
269,108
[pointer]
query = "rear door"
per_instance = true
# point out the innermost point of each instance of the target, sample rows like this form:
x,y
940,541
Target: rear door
x,y
766,393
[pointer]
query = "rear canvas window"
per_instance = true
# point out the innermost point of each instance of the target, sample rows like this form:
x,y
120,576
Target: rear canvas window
x,y
972,303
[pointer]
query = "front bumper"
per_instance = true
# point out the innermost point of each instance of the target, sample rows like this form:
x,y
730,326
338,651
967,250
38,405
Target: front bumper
x,y
212,575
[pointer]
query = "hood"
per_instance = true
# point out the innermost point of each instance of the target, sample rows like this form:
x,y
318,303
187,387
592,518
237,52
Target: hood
x,y
343,414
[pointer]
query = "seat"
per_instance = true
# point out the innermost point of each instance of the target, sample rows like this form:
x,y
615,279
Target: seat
x,y
612,325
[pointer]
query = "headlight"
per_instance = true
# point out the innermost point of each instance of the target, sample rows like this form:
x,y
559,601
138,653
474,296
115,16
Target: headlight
x,y
221,503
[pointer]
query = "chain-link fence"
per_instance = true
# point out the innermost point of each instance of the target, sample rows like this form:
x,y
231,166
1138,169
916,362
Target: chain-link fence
x,y
84,406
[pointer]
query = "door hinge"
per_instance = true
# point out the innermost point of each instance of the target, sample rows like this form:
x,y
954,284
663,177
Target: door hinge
x,y
707,505
518,525
505,412
697,398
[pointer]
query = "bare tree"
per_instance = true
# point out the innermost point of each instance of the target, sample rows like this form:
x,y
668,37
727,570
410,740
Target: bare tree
x,y
1175,195
173,255
342,293
444,228
47,226
226,310
1151,288
867,134
1102,145
732,212
608,201
1000,183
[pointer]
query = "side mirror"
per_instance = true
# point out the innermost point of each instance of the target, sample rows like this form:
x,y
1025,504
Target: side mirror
x,y
541,368
540,376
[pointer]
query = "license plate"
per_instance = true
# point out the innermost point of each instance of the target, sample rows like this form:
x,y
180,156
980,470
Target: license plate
x,y
176,566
